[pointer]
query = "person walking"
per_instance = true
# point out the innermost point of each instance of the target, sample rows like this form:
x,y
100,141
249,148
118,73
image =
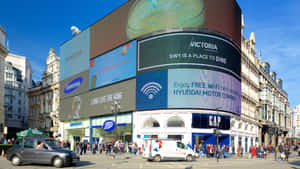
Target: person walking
x,y
280,149
286,152
77,145
253,152
81,147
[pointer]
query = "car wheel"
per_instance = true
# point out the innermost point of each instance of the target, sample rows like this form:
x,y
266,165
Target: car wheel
x,y
16,161
58,162
157,158
189,158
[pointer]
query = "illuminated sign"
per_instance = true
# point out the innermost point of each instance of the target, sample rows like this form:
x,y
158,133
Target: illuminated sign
x,y
207,121
114,66
109,125
73,85
189,50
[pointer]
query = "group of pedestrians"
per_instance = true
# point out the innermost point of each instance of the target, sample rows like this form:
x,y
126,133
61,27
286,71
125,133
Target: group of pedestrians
x,y
4,140
281,152
211,150
108,148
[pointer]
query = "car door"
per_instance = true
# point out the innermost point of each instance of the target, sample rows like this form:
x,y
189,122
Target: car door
x,y
27,152
43,155
181,150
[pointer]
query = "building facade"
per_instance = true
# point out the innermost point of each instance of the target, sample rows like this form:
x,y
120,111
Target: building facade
x,y
274,106
294,133
18,77
186,88
200,77
44,98
3,54
245,129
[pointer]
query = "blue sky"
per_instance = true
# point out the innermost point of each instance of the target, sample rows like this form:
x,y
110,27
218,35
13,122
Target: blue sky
x,y
35,26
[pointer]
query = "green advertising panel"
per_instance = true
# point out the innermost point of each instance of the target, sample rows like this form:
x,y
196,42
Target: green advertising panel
x,y
189,50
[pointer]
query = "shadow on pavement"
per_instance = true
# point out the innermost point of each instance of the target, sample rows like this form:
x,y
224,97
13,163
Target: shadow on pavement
x,y
296,164
83,163
78,164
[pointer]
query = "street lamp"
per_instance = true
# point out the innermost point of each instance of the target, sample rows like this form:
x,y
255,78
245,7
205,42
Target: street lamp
x,y
115,108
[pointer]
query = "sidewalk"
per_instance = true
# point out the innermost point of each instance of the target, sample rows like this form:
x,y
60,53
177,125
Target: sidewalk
x,y
126,155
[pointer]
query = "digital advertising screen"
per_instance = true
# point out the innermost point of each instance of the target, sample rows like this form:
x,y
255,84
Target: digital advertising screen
x,y
114,66
75,107
206,89
188,50
74,55
138,18
74,85
188,88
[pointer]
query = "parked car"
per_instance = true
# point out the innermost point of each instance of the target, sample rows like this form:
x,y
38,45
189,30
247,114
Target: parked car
x,y
164,149
40,151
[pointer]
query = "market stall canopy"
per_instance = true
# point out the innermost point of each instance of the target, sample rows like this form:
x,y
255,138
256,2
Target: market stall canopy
x,y
31,132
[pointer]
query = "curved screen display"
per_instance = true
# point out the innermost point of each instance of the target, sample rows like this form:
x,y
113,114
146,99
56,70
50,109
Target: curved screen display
x,y
188,70
138,18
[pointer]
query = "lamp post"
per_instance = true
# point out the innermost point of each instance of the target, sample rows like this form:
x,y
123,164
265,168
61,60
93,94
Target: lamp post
x,y
115,108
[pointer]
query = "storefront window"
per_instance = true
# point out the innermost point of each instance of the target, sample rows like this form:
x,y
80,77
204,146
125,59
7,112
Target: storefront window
x,y
124,133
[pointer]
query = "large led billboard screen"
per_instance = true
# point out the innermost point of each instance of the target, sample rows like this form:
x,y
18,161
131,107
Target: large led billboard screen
x,y
189,50
98,102
198,88
101,100
74,85
114,66
75,107
137,18
74,55
188,88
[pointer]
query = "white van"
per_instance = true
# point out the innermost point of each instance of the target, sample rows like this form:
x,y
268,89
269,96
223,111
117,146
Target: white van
x,y
164,149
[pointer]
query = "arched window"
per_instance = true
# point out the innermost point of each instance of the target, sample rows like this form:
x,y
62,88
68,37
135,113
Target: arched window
x,y
151,122
175,121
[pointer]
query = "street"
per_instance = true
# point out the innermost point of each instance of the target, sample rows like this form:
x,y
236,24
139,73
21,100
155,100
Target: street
x,y
131,161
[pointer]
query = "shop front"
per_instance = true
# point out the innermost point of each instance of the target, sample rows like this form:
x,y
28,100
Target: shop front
x,y
104,128
203,125
77,130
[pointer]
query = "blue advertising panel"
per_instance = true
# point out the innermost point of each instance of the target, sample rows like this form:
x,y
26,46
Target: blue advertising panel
x,y
73,85
114,66
205,89
151,90
74,55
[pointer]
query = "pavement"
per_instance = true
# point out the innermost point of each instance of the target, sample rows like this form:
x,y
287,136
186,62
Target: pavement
x,y
136,162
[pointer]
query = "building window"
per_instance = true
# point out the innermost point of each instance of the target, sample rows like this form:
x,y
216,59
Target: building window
x,y
273,115
265,112
175,121
264,94
151,123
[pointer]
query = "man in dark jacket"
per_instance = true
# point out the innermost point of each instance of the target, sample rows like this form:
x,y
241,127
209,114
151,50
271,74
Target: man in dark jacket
x,y
286,150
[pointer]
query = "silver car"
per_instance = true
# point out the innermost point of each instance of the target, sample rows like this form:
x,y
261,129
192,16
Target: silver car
x,y
40,151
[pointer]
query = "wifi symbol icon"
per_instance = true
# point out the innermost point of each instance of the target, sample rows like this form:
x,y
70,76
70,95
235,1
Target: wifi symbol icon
x,y
151,89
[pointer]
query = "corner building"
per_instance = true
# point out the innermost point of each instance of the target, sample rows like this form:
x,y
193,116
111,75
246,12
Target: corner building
x,y
157,75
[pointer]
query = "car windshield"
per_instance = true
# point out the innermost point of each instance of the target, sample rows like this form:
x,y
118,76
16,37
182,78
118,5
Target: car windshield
x,y
52,143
